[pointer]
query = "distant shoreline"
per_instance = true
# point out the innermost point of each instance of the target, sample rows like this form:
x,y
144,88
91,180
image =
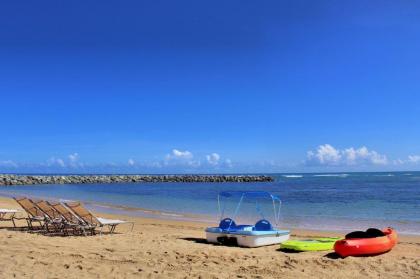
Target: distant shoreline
x,y
10,179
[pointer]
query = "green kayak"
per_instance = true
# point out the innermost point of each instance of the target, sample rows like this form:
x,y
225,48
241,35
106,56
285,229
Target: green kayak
x,y
315,244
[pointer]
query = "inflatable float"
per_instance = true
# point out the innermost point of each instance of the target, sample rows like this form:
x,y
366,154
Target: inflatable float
x,y
371,242
316,244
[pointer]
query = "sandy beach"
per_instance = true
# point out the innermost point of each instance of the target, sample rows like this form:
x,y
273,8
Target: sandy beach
x,y
173,249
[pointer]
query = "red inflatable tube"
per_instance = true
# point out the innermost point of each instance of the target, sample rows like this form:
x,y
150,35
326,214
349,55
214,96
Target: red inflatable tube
x,y
367,246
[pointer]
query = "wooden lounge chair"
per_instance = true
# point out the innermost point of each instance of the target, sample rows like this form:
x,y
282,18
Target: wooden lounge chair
x,y
94,221
34,213
70,219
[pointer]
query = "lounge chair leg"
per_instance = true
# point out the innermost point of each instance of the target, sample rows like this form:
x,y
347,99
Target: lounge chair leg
x,y
29,224
13,221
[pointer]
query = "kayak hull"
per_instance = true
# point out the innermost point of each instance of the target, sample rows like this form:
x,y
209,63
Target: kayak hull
x,y
367,246
316,244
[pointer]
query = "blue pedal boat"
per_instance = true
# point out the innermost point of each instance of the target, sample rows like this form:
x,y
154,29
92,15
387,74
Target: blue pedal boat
x,y
261,233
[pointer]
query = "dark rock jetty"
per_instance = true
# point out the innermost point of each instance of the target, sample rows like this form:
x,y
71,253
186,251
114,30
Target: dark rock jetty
x,y
9,179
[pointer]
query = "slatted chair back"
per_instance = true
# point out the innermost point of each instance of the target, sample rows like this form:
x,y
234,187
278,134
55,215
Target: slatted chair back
x,y
31,209
83,213
65,212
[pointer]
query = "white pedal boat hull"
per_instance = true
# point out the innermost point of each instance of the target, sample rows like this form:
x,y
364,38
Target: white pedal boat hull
x,y
249,239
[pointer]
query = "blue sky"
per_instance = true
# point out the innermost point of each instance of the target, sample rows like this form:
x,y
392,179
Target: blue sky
x,y
217,86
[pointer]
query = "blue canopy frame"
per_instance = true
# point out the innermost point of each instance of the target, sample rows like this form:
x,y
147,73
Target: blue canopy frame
x,y
241,195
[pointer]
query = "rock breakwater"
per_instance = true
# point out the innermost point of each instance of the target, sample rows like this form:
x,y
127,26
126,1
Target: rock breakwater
x,y
9,179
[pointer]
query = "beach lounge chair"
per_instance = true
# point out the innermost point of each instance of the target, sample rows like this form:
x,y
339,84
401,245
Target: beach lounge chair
x,y
70,219
94,221
34,213
8,215
53,217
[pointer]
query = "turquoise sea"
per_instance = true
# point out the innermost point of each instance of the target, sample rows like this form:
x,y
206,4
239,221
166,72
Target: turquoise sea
x,y
323,201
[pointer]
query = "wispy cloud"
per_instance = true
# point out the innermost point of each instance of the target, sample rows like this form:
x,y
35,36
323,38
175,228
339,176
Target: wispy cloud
x,y
328,155
71,162
74,161
411,160
213,159
73,158
188,161
53,162
184,161
131,162
8,164
228,163
414,159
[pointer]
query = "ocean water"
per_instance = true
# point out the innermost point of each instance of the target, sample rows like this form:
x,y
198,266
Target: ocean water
x,y
322,201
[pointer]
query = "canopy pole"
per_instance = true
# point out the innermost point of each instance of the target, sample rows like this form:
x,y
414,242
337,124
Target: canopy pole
x,y
275,212
238,206
258,208
221,210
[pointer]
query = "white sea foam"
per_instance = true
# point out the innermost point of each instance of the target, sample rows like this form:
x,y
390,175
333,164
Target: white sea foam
x,y
332,175
292,176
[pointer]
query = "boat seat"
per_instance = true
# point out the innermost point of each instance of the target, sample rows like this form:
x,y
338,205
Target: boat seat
x,y
356,234
263,225
369,233
373,232
227,224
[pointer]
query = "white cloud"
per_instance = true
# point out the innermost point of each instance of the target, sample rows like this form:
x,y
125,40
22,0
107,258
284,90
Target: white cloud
x,y
181,159
213,159
355,156
177,154
414,159
328,155
325,154
131,162
228,163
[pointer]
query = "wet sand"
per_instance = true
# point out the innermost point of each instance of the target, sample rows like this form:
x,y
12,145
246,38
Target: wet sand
x,y
177,249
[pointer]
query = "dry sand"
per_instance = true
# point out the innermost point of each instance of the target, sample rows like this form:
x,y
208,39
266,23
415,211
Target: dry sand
x,y
170,249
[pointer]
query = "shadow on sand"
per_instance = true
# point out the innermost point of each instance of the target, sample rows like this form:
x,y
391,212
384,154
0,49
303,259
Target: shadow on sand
x,y
224,242
289,251
196,240
333,256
